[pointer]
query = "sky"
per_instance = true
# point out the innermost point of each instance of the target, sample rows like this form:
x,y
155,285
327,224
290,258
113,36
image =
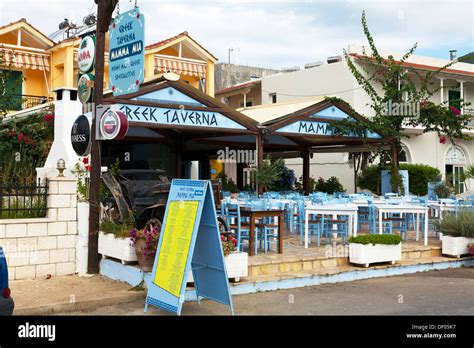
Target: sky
x,y
278,34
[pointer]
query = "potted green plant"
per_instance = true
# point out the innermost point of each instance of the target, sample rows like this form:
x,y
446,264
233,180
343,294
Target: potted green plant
x,y
458,232
372,248
115,241
443,190
268,174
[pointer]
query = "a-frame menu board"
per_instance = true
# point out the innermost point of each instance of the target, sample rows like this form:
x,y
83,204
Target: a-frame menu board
x,y
189,240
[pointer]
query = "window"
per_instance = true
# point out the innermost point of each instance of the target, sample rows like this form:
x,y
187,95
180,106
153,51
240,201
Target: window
x,y
404,155
455,163
454,98
247,105
273,98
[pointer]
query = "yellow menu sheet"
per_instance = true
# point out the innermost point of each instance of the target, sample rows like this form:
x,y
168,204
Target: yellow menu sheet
x,y
179,226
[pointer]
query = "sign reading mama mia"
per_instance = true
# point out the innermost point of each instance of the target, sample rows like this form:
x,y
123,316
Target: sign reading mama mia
x,y
127,52
315,128
183,117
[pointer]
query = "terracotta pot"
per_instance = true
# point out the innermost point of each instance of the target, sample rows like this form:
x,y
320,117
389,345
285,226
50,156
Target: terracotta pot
x,y
145,262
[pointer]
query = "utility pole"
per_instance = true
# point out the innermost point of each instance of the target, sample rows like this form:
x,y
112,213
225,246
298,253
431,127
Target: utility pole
x,y
105,9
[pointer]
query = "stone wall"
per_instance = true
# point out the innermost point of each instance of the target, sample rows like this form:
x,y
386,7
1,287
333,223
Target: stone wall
x,y
227,75
36,248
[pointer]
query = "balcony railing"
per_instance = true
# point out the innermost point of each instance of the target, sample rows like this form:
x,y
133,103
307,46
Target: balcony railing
x,y
24,101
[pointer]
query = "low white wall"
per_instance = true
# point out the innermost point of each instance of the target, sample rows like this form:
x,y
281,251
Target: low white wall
x,y
35,248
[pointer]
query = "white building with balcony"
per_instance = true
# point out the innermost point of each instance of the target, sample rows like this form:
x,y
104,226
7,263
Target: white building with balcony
x,y
335,79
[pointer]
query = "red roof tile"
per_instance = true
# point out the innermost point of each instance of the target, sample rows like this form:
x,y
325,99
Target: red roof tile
x,y
176,37
237,87
26,22
419,66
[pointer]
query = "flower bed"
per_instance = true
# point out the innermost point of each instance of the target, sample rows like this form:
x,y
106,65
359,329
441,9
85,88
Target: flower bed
x,y
118,248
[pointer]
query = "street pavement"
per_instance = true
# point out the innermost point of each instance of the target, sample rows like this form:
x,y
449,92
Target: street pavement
x,y
446,292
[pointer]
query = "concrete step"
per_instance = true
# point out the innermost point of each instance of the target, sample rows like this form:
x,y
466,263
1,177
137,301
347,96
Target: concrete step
x,y
317,264
335,268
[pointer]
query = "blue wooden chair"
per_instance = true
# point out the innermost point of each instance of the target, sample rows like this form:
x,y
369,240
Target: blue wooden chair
x,y
235,223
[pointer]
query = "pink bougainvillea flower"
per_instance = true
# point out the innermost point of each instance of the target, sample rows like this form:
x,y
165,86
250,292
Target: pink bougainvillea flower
x,y
455,111
85,160
442,139
48,117
88,168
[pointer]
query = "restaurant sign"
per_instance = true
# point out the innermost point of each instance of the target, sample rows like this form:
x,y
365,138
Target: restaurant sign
x,y
127,52
86,54
315,128
189,241
178,117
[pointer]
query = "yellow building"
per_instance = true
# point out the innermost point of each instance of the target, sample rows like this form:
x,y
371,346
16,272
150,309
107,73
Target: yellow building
x,y
44,66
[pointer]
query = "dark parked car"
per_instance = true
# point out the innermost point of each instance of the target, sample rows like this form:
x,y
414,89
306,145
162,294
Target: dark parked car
x,y
6,302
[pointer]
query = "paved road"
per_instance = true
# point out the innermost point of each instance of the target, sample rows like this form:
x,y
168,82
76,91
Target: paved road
x,y
447,292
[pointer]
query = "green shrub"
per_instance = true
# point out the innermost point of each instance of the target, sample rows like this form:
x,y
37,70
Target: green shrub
x,y
367,179
457,225
386,239
330,186
299,184
117,229
227,184
419,177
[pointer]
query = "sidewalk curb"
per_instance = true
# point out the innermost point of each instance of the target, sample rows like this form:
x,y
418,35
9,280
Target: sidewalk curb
x,y
65,307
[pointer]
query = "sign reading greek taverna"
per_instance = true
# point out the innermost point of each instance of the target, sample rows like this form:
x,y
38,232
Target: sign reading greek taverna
x,y
127,52
183,117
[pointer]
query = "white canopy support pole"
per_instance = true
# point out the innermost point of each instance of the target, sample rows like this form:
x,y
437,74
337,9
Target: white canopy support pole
x,y
44,74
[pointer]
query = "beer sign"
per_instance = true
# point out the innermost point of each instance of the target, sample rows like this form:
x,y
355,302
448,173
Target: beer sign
x,y
113,125
81,136
86,54
85,87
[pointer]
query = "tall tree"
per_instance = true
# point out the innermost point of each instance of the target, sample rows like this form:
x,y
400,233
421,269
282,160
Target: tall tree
x,y
389,82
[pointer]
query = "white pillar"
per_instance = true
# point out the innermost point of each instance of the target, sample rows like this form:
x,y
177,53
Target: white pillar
x,y
441,90
66,111
462,94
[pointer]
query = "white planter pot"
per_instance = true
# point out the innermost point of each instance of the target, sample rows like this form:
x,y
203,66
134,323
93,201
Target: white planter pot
x,y
455,246
369,253
118,248
237,265
82,237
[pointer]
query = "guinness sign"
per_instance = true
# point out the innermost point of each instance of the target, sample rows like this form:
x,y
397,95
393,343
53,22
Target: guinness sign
x,y
81,136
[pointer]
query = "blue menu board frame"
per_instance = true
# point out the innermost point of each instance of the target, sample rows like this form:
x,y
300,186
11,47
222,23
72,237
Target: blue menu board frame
x,y
204,256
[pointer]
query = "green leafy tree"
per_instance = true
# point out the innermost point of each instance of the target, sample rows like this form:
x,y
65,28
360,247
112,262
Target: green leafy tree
x,y
387,80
